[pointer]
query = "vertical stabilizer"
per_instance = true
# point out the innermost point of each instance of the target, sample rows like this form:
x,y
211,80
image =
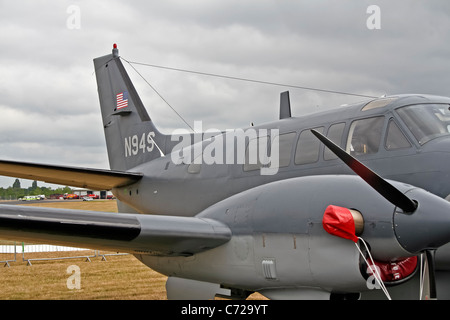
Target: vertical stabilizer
x,y
131,137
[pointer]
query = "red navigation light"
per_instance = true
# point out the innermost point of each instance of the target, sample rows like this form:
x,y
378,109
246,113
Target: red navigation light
x,y
115,46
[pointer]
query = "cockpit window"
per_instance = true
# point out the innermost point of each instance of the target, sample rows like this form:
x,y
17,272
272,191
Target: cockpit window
x,y
364,136
395,139
426,121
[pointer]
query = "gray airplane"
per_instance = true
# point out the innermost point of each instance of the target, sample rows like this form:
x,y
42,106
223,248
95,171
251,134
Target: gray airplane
x,y
303,219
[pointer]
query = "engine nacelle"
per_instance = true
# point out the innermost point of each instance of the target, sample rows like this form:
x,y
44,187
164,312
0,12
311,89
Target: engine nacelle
x,y
290,245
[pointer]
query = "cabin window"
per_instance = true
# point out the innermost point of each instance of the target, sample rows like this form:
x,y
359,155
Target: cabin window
x,y
334,134
364,136
285,142
395,138
308,147
255,152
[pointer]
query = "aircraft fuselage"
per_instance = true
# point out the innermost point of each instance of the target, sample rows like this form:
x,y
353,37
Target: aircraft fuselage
x,y
382,138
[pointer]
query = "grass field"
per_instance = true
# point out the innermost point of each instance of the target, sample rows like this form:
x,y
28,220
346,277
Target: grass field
x,y
120,277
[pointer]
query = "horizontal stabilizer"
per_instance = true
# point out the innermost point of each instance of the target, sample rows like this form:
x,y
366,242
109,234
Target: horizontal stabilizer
x,y
132,233
95,179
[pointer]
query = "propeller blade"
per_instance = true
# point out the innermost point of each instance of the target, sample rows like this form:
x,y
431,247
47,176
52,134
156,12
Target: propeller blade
x,y
427,276
384,188
430,254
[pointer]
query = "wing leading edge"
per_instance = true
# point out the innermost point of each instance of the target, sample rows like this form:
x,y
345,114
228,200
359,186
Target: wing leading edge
x,y
132,233
95,179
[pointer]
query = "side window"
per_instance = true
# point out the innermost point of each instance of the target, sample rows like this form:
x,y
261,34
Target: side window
x,y
364,136
307,147
256,149
286,142
395,139
334,134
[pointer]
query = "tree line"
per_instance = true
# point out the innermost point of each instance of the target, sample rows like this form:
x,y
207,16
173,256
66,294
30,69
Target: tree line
x,y
16,191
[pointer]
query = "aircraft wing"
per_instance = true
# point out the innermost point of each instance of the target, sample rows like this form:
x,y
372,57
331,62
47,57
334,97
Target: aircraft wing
x,y
95,179
132,233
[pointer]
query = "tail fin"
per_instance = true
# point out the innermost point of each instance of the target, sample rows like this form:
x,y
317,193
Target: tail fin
x,y
131,136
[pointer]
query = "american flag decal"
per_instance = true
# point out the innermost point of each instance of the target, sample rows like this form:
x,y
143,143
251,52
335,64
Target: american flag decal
x,y
122,100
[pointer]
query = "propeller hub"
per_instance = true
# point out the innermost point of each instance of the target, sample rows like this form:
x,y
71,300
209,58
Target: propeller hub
x,y
428,227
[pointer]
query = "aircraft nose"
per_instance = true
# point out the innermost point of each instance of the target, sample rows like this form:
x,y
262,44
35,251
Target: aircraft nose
x,y
428,227
423,219
437,153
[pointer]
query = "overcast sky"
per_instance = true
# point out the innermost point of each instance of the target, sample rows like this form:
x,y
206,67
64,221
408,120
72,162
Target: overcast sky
x,y
49,110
